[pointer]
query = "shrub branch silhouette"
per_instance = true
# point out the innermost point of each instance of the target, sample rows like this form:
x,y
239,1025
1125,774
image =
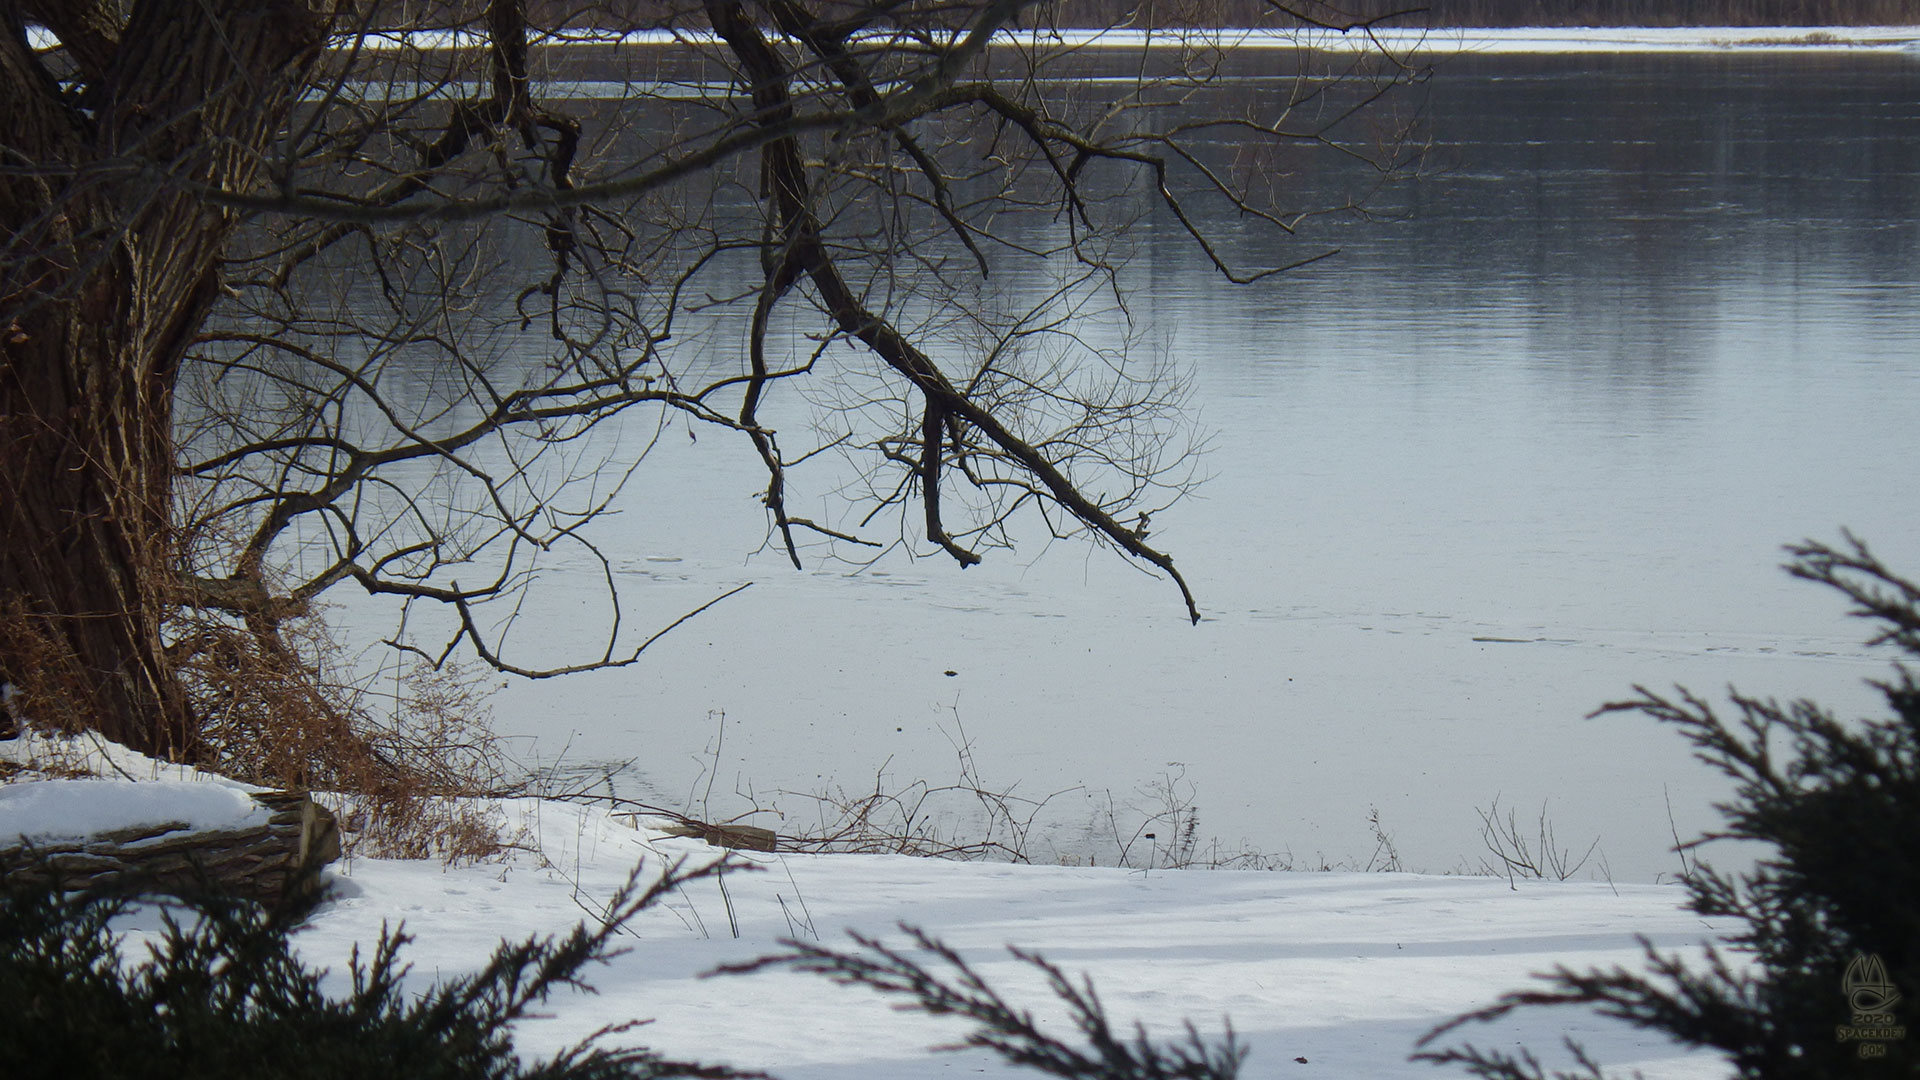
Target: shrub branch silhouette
x,y
1839,804
1009,1032
222,995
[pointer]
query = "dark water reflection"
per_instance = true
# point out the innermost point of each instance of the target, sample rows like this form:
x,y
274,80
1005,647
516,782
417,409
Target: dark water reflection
x,y
1615,210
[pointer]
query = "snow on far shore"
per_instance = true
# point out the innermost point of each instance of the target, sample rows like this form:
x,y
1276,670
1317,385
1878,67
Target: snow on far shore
x,y
1665,39
1518,39
1399,40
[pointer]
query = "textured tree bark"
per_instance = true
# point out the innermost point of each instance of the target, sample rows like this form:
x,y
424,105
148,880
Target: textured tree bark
x,y
108,268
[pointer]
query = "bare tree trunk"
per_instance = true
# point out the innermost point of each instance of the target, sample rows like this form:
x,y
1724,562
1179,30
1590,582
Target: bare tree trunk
x,y
83,461
109,268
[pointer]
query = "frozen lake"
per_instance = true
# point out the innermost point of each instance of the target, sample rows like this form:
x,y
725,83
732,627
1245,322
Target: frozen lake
x,y
1646,319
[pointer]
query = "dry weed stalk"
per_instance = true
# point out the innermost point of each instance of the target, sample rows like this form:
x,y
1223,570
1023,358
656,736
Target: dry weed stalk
x,y
921,819
1519,855
967,819
1171,810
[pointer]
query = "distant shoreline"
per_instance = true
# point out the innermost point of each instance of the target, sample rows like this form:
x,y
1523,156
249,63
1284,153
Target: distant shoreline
x,y
1399,40
1524,39
1618,39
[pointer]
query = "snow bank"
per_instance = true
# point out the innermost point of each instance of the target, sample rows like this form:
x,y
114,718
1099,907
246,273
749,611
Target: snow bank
x,y
119,788
43,811
88,754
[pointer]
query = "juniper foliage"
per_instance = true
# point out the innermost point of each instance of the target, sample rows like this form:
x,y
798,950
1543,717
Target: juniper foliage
x,y
1006,1030
221,994
1828,919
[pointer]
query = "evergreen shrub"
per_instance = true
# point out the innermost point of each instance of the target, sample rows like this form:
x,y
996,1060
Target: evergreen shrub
x,y
1823,979
221,995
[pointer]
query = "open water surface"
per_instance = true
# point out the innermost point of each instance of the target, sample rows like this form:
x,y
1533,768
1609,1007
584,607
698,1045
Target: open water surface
x,y
1534,441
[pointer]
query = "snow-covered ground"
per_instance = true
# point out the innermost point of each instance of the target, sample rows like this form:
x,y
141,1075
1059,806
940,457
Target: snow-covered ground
x,y
1321,974
1344,970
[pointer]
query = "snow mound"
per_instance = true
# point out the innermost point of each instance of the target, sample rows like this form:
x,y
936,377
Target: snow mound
x,y
44,811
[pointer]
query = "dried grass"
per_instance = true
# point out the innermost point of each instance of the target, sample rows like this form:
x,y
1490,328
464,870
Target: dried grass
x,y
408,761
45,680
412,756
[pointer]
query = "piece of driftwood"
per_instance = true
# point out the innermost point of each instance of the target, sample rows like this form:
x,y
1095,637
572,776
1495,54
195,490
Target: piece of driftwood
x,y
739,837
277,862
